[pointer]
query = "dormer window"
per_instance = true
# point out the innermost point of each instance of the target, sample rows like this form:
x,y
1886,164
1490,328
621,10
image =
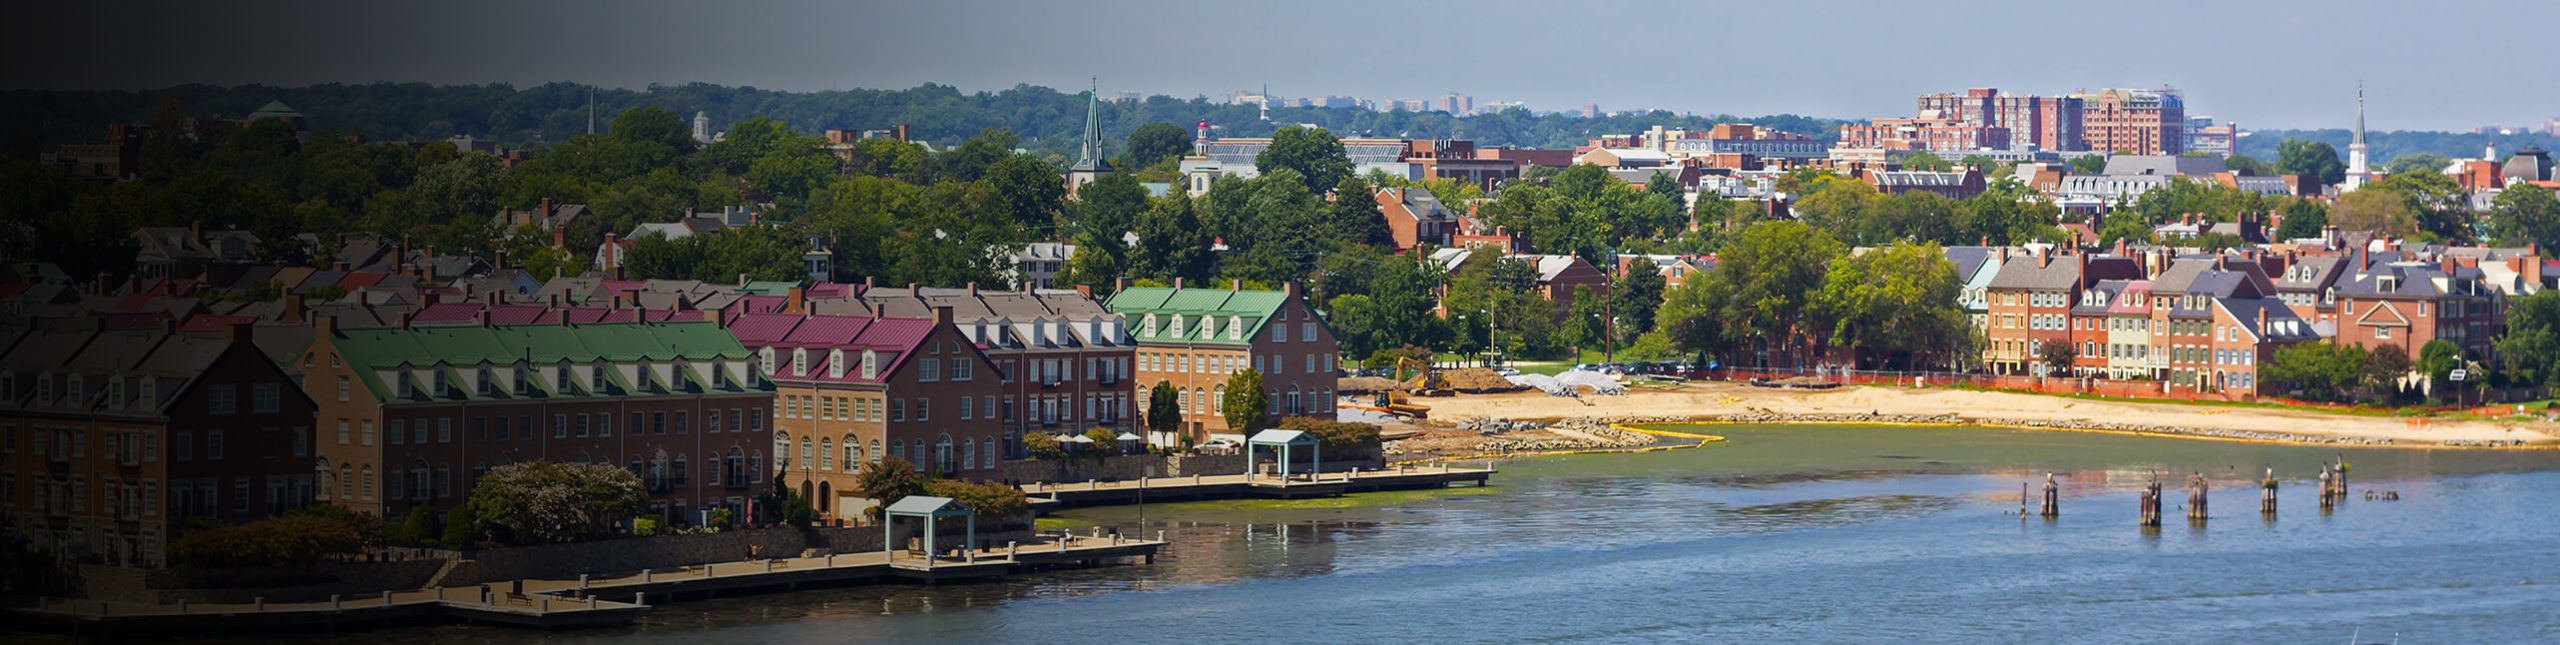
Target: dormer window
x,y
444,388
408,385
1149,326
1235,328
1177,324
835,363
115,393
764,359
560,378
870,364
71,388
596,378
8,386
44,387
645,376
150,390
800,361
720,374
488,381
523,378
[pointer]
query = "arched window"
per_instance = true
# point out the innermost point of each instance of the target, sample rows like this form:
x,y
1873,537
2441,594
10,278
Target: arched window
x,y
852,452
942,454
805,458
968,455
1293,400
989,449
835,363
899,448
346,483
676,476
800,361
827,454
870,364
781,444
764,358
1217,402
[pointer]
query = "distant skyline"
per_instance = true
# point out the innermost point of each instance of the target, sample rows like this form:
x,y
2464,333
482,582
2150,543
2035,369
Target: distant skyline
x,y
2291,64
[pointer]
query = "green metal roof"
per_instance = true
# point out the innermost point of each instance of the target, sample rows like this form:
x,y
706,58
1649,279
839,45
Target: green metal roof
x,y
1224,307
768,288
467,347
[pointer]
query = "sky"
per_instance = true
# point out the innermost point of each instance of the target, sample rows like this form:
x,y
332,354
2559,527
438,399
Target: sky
x,y
2274,65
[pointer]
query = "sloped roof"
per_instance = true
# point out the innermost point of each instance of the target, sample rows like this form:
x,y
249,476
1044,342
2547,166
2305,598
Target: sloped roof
x,y
471,345
1253,307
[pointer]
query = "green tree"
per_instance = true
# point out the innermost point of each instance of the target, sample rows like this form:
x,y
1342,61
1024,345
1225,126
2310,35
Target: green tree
x,y
1029,190
2438,359
2127,227
2303,218
1666,186
1900,300
166,151
1246,405
2373,210
888,480
2441,206
1762,289
1587,322
1173,242
2057,357
2530,347
2088,164
2324,371
1636,295
2218,242
1314,153
1924,160
1164,411
541,501
1353,216
653,124
1157,142
2246,165
2301,157
1103,212
2425,161
2525,214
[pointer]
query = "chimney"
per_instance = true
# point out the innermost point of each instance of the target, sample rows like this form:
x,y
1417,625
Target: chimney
x,y
480,317
795,301
338,266
713,316
1120,284
555,301
915,290
1290,290
941,316
242,333
195,232
1084,289
404,318
292,311
1177,283
742,279
2044,259
1235,285
2262,320
548,209
2450,265
324,325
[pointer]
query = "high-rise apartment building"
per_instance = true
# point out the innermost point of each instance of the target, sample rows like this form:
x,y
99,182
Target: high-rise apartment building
x,y
2128,121
2046,122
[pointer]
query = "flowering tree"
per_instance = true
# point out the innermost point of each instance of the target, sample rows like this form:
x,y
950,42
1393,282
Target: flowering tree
x,y
541,501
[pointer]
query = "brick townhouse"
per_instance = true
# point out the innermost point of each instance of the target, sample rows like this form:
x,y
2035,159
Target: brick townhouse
x,y
411,416
1063,360
2030,301
852,390
110,442
1196,338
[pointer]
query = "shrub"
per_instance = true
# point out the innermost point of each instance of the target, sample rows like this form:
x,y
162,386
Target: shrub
x,y
721,518
272,541
994,502
462,528
1335,435
645,526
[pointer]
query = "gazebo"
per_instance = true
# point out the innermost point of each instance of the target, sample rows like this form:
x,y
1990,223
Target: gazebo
x,y
1284,442
929,508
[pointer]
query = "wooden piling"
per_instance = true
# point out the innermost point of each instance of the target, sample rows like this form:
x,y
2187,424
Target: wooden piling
x,y
2151,502
2196,486
2267,494
2052,497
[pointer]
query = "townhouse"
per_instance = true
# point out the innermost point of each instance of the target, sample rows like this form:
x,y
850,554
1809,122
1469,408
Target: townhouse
x,y
111,442
1195,338
2030,303
853,390
2403,305
1063,361
411,416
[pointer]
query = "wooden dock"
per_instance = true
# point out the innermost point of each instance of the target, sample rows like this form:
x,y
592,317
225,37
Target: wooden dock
x,y
1046,495
585,602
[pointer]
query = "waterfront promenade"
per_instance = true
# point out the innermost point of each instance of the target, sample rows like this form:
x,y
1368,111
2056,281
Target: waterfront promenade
x,y
589,601
1047,495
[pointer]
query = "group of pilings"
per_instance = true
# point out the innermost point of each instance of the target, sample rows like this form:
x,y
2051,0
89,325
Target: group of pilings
x,y
2333,487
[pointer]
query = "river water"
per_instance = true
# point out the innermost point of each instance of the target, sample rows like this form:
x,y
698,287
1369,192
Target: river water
x,y
1784,533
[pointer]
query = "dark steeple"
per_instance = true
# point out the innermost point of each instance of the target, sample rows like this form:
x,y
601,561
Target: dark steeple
x,y
1092,161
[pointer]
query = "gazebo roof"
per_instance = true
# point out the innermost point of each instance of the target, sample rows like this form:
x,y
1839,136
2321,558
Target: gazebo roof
x,y
929,506
1282,438
1127,436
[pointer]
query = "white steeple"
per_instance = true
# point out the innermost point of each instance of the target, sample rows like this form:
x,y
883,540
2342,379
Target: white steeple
x,y
2357,172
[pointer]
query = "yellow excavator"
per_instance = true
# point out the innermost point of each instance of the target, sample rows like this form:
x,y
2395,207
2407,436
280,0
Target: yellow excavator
x,y
1425,381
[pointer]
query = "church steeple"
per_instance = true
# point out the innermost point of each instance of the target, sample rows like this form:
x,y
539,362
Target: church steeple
x,y
2357,170
1092,161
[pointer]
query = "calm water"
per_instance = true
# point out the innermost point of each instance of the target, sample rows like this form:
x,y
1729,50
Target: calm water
x,y
1831,534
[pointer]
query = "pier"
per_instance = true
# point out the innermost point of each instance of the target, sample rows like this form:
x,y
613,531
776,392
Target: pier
x,y
588,601
1045,495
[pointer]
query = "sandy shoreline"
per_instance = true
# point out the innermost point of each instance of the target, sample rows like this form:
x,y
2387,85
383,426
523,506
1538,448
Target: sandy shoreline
x,y
1719,399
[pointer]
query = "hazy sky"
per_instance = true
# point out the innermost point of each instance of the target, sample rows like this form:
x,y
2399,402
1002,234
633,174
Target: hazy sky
x,y
2287,64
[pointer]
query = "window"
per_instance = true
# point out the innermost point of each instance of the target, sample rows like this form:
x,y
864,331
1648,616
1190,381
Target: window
x,y
2382,333
579,425
711,421
965,409
924,409
1307,332
961,368
444,430
479,428
213,446
524,427
604,425
185,450
658,422
418,431
559,426
368,432
927,370
897,409
219,399
681,426
734,417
